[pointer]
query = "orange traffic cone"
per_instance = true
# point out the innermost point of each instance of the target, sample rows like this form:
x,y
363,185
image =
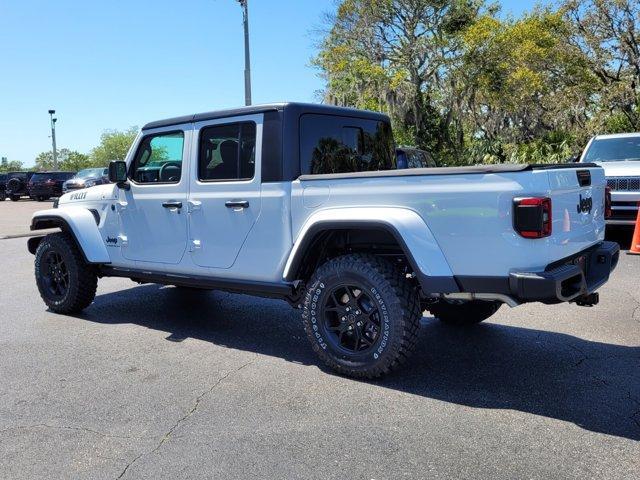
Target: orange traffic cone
x,y
635,243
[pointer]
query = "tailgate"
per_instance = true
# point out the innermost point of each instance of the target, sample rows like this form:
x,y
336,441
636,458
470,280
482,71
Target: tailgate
x,y
578,204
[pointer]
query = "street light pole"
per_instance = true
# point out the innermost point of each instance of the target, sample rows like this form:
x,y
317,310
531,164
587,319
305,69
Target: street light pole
x,y
53,139
247,59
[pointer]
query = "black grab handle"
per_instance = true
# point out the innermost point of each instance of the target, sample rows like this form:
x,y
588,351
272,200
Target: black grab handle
x,y
237,204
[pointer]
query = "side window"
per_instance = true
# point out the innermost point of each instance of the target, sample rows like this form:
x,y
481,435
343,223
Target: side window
x,y
159,159
227,152
334,144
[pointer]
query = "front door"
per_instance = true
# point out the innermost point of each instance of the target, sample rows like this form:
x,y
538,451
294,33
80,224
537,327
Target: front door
x,y
224,197
153,212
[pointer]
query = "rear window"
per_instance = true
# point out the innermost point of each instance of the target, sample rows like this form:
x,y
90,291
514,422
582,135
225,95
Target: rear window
x,y
62,175
39,177
333,144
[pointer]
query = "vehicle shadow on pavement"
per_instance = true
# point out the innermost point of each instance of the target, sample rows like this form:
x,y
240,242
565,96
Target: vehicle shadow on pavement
x,y
590,384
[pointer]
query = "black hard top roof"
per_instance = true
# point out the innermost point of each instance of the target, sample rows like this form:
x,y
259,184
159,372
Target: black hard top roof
x,y
270,107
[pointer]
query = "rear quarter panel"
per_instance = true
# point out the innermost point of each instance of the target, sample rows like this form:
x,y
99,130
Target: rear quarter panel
x,y
469,215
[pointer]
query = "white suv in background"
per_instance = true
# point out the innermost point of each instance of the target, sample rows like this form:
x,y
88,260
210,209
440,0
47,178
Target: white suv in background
x,y
619,155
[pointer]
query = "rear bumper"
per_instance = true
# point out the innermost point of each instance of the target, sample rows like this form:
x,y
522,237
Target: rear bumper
x,y
580,275
624,208
564,281
18,193
44,191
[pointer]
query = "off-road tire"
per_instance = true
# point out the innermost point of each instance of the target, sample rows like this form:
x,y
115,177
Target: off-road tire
x,y
464,313
82,278
390,292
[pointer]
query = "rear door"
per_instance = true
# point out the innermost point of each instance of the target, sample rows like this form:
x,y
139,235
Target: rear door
x,y
224,197
152,212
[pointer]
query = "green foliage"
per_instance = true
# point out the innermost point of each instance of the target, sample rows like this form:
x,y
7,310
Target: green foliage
x,y
114,145
472,86
68,161
10,166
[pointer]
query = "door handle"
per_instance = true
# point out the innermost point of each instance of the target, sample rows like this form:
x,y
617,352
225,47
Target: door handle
x,y
237,204
172,204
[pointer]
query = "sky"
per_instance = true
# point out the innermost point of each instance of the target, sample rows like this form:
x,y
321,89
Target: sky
x,y
115,64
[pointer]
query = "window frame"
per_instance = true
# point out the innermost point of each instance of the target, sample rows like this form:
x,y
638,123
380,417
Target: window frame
x,y
200,151
134,160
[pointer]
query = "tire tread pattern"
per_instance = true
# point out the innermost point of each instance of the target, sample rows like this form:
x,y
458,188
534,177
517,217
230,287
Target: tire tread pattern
x,y
396,288
82,276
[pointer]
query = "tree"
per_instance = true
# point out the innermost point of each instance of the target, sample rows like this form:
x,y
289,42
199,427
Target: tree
x,y
524,83
114,145
607,33
10,166
395,56
68,160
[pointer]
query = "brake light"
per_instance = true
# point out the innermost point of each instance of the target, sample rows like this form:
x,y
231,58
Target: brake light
x,y
607,203
532,217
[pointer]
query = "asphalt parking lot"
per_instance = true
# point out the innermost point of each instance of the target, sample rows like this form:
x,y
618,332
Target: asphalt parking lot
x,y
153,382
15,217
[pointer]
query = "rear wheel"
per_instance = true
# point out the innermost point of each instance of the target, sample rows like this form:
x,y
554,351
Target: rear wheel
x,y
361,315
67,284
463,313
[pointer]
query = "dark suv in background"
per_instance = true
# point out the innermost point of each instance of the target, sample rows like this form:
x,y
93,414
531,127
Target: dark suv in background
x,y
86,178
18,185
3,186
44,185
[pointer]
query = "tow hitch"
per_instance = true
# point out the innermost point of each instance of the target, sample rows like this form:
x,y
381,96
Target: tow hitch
x,y
588,300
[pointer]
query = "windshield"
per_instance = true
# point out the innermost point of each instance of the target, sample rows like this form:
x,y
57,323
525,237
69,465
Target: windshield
x,y
614,150
90,172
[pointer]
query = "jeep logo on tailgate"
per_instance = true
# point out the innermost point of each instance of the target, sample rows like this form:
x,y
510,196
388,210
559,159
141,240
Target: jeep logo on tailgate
x,y
585,205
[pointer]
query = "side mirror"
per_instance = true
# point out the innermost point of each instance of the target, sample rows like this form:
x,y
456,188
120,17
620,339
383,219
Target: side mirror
x,y
118,172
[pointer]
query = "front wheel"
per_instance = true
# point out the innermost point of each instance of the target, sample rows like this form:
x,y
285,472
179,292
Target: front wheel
x,y
463,313
361,315
67,284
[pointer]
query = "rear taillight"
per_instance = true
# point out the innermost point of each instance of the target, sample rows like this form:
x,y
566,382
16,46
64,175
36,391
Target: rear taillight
x,y
607,203
532,217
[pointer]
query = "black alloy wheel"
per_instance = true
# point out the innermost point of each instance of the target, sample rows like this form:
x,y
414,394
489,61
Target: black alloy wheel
x,y
351,319
55,275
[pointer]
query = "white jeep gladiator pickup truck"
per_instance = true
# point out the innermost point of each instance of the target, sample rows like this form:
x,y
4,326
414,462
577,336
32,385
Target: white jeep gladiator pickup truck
x,y
619,156
304,202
